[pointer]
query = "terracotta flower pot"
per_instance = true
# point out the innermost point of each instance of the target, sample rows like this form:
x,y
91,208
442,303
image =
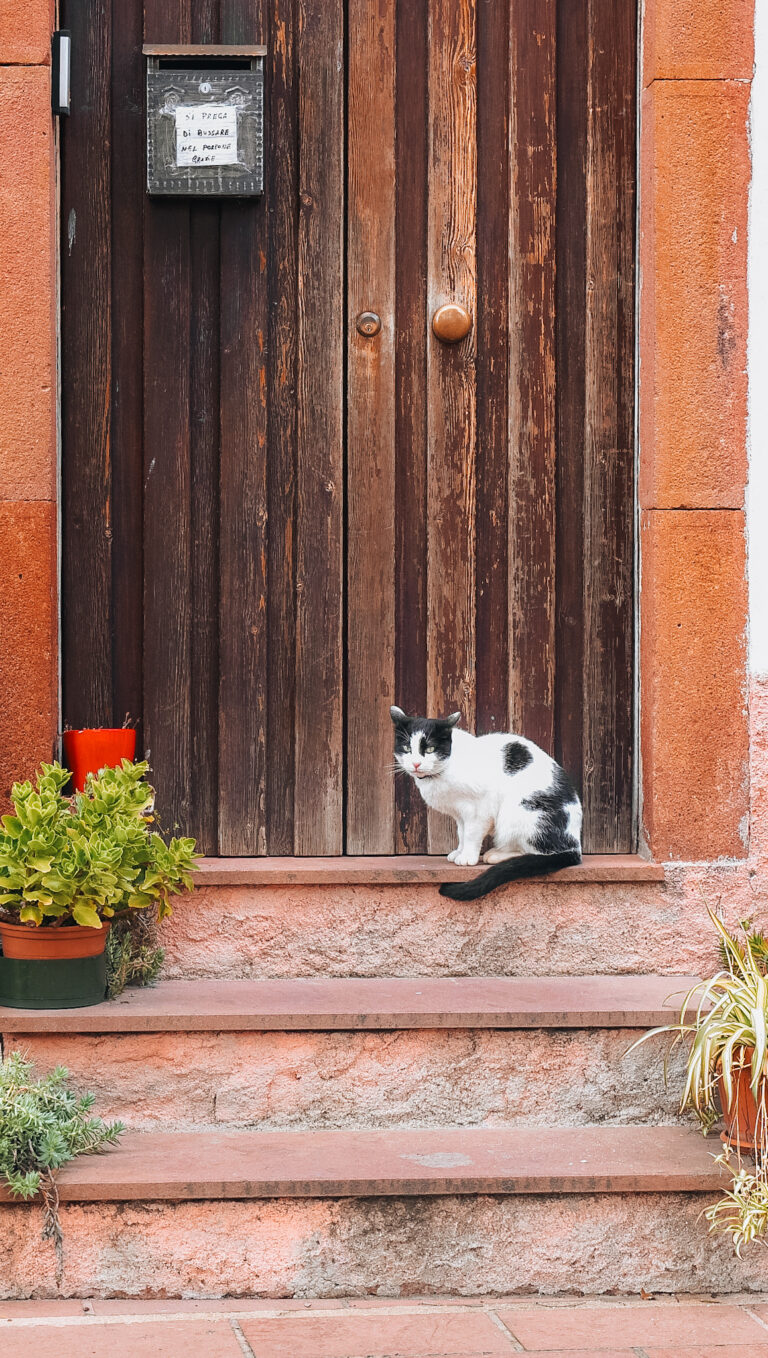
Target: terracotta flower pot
x,y
88,751
45,944
746,1119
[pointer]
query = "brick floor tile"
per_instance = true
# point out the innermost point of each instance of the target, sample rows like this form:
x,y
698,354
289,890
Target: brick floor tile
x,y
586,1353
418,1303
711,1351
167,1339
223,1305
630,1326
373,1335
17,1310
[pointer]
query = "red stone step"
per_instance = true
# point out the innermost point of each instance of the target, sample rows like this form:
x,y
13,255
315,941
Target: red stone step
x,y
507,1161
617,867
354,1003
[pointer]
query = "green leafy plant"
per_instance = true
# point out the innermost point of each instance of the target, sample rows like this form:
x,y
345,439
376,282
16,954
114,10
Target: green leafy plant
x,y
722,1018
754,939
742,1212
43,1124
724,1022
87,858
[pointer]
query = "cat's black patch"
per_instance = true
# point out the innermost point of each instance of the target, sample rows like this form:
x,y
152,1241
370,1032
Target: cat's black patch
x,y
517,756
403,728
552,835
435,733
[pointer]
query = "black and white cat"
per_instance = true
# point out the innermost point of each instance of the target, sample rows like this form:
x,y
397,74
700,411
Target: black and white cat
x,y
501,785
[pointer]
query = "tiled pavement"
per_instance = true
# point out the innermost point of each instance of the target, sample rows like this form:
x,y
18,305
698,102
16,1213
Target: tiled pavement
x,y
668,1327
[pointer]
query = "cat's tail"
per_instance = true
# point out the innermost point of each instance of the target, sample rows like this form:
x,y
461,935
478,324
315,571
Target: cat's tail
x,y
512,870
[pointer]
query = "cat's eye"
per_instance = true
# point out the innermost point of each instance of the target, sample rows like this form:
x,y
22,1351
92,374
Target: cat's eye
x,y
430,749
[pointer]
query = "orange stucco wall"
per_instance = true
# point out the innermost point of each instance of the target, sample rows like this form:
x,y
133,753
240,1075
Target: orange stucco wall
x,y
28,591
697,65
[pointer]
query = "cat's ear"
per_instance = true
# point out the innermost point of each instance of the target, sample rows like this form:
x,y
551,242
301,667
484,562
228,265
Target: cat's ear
x,y
453,720
398,716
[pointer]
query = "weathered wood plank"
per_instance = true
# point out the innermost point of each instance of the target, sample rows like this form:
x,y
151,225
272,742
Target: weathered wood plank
x,y
243,502
608,453
87,375
411,149
204,487
370,428
318,799
128,158
532,376
282,272
493,344
451,277
168,603
571,319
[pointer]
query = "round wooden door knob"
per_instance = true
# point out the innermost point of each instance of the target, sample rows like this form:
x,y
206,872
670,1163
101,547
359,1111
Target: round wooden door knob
x,y
451,323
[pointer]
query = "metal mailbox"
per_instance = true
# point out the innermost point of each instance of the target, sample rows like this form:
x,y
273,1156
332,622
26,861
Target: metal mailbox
x,y
205,121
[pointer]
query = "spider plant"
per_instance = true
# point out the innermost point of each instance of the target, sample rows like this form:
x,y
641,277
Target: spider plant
x,y
742,1212
724,1022
725,1017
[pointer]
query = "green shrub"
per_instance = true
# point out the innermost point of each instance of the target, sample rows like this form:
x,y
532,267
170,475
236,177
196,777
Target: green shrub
x,y
87,858
43,1124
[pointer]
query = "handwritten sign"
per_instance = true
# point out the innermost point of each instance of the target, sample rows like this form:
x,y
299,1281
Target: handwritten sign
x,y
206,134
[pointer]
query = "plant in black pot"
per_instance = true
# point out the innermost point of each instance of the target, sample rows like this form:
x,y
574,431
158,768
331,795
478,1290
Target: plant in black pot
x,y
68,867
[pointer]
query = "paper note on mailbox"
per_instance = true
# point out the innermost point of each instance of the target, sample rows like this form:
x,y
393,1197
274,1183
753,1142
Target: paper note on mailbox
x,y
206,134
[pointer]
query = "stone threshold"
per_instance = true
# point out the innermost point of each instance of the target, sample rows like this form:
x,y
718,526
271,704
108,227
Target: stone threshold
x,y
370,1004
176,1166
403,870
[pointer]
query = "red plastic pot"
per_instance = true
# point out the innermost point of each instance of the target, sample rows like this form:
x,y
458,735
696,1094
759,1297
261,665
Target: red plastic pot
x,y
42,943
88,751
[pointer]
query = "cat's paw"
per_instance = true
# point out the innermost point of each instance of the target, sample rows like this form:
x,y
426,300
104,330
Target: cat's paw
x,y
453,855
466,860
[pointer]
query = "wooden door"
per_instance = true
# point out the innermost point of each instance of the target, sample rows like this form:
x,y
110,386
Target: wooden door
x,y
491,164
275,525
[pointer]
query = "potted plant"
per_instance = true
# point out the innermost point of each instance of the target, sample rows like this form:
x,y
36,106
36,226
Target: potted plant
x,y
42,1125
724,1021
68,866
94,748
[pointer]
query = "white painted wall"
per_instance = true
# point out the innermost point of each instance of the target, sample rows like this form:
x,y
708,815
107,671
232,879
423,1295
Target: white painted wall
x,y
757,354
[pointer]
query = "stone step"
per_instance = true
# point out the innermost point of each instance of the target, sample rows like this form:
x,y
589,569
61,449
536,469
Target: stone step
x,y
261,921
475,1212
164,1166
367,1053
363,1003
603,867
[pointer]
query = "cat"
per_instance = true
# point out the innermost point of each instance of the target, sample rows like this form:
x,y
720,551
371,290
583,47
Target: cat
x,y
501,785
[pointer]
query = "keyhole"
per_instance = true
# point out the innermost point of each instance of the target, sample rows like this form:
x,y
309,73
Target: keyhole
x,y
368,324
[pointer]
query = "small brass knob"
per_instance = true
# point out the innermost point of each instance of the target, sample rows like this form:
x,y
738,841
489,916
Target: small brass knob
x,y
368,324
451,323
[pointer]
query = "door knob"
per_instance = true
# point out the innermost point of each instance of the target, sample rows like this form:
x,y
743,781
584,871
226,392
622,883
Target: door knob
x,y
368,324
451,323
